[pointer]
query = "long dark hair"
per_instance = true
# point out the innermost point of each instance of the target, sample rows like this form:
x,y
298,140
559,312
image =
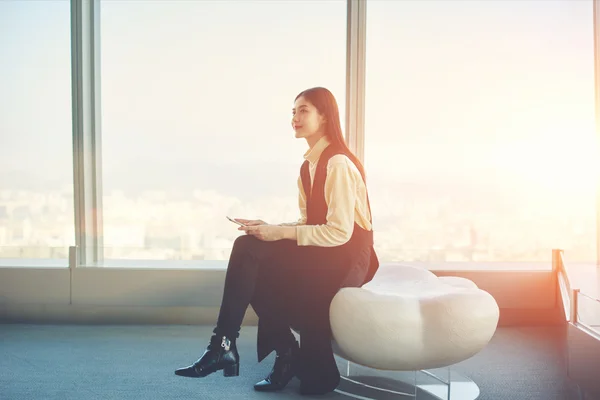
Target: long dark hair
x,y
325,103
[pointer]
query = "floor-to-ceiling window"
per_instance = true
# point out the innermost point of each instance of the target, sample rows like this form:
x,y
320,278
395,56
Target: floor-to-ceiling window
x,y
479,124
36,159
196,111
479,137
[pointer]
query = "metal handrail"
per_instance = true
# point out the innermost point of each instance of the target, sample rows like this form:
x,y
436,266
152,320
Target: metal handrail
x,y
589,297
572,294
590,329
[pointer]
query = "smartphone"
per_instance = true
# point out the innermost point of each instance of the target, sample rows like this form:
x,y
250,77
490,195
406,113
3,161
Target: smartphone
x,y
234,221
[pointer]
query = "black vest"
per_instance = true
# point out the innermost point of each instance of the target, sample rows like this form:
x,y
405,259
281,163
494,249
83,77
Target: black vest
x,y
316,208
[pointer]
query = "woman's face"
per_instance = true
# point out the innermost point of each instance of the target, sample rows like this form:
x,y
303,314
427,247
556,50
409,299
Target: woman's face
x,y
306,120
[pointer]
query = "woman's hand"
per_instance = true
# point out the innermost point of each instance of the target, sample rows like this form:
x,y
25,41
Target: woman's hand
x,y
251,222
270,233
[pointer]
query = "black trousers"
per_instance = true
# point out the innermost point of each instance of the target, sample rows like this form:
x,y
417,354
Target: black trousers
x,y
290,275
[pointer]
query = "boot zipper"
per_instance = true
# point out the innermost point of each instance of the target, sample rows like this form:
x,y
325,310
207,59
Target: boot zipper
x,y
225,343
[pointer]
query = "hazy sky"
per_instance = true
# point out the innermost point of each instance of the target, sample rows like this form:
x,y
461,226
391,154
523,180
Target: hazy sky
x,y
455,89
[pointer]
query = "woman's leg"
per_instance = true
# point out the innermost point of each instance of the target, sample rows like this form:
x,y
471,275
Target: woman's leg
x,y
274,295
240,282
256,266
248,253
271,305
317,363
273,312
317,368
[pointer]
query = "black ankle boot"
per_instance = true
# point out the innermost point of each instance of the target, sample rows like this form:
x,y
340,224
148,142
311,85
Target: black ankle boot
x,y
283,371
221,353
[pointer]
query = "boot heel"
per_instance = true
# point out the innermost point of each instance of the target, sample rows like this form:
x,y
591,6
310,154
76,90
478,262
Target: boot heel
x,y
232,370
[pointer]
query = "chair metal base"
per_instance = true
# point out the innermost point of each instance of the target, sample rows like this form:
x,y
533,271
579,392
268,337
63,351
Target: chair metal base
x,y
361,382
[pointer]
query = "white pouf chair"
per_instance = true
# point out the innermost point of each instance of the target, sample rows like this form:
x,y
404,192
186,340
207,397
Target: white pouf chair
x,y
408,319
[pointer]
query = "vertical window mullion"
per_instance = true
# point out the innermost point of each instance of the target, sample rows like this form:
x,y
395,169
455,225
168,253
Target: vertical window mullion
x,y
355,76
85,64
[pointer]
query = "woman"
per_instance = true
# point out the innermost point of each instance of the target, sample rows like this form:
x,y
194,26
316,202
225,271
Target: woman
x,y
289,273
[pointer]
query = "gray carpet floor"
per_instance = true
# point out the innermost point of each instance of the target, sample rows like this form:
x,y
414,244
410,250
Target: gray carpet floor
x,y
137,362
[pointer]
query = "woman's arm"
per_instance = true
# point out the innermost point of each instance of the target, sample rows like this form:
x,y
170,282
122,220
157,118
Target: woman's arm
x,y
340,196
